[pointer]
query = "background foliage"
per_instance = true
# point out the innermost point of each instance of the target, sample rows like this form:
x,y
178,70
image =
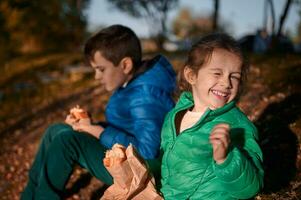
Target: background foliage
x,y
31,26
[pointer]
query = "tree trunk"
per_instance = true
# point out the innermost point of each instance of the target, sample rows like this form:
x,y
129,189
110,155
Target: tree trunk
x,y
283,17
215,15
273,16
265,15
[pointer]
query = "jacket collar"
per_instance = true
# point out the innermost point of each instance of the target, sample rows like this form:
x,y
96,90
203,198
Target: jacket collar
x,y
186,101
156,72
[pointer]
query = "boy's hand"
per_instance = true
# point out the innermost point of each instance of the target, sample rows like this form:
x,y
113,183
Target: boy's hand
x,y
70,119
75,114
220,140
84,125
79,113
80,121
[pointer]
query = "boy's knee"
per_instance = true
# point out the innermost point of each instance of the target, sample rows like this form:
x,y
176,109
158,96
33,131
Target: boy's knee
x,y
61,143
66,143
64,138
56,129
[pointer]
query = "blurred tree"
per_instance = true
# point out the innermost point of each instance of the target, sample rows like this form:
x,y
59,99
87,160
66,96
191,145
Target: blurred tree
x,y
278,41
153,11
35,25
189,26
265,15
273,15
215,16
185,25
283,16
298,30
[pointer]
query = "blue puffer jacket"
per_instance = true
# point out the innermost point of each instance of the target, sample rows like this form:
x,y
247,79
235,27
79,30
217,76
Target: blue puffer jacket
x,y
135,113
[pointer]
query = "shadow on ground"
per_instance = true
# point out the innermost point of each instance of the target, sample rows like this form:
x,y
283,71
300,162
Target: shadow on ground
x,y
279,144
82,182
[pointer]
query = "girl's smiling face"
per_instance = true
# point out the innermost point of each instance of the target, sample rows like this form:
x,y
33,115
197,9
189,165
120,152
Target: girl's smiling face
x,y
217,81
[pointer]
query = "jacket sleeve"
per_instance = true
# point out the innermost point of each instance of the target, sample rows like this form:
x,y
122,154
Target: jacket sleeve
x,y
241,173
147,116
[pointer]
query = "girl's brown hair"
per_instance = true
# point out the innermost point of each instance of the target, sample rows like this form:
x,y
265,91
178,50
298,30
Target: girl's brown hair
x,y
201,52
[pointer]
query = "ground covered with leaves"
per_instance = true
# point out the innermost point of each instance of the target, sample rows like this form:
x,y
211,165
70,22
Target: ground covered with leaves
x,y
40,91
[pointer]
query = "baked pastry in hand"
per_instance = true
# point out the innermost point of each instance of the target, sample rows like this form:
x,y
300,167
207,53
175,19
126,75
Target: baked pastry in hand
x,y
115,156
79,113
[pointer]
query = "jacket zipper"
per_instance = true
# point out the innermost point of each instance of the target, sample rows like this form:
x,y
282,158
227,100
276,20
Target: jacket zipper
x,y
175,137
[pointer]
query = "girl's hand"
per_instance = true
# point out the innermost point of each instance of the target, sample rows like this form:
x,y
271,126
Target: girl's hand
x,y
84,125
220,140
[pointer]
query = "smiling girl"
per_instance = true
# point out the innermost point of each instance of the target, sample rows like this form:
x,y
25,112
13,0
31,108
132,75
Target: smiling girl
x,y
209,145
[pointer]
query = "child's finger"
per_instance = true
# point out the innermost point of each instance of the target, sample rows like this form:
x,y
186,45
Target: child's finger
x,y
85,121
222,126
225,125
219,131
77,127
70,119
218,142
220,135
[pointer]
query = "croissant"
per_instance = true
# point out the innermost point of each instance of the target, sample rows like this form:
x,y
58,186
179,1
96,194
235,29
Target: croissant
x,y
115,156
79,113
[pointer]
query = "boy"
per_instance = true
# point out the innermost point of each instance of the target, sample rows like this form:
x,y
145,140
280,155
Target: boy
x,y
135,113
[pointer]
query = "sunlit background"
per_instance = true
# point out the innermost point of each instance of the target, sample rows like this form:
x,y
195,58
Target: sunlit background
x,y
243,16
30,27
43,74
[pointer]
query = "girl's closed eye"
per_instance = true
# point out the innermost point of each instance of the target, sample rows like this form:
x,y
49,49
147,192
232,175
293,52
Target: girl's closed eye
x,y
234,77
217,73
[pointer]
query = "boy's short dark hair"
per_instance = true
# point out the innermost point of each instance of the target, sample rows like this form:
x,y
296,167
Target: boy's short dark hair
x,y
115,43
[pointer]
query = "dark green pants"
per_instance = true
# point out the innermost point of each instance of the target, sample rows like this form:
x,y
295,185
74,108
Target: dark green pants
x,y
61,148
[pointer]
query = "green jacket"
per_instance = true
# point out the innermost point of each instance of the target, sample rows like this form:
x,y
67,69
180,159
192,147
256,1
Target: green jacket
x,y
188,168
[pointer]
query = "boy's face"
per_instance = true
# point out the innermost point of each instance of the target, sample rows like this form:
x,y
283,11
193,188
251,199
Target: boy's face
x,y
217,81
112,77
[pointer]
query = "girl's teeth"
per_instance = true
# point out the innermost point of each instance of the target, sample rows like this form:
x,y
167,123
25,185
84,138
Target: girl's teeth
x,y
219,93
